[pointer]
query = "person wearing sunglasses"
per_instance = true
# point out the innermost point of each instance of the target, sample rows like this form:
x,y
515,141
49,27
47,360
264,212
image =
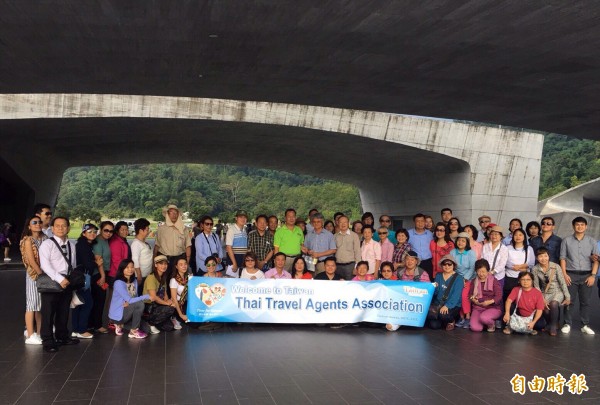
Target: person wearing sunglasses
x,y
31,240
44,211
207,244
100,281
386,222
85,257
250,271
547,239
446,303
387,247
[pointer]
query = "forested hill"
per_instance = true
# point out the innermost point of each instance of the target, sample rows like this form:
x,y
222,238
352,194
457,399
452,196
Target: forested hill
x,y
141,190
567,162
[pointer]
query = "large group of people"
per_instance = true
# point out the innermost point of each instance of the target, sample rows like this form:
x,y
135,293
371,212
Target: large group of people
x,y
484,277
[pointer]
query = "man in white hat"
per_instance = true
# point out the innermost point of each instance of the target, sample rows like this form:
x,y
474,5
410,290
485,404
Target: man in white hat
x,y
172,239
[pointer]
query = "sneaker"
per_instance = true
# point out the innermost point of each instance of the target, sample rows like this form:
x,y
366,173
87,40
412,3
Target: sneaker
x,y
498,324
154,330
566,329
118,330
33,340
533,332
491,329
137,334
467,324
587,330
111,325
7,260
392,327
176,323
461,323
25,333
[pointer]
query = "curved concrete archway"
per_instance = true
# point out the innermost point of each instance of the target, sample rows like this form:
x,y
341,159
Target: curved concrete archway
x,y
401,164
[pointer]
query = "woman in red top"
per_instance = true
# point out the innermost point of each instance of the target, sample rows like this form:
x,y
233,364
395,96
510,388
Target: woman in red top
x,y
440,246
119,248
529,304
386,271
299,270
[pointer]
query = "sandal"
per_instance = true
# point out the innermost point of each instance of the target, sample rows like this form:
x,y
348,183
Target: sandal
x,y
450,326
507,331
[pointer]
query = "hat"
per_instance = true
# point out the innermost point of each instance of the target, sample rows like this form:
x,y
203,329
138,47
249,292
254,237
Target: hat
x,y
412,253
88,226
169,207
448,258
497,228
483,216
160,258
241,213
463,235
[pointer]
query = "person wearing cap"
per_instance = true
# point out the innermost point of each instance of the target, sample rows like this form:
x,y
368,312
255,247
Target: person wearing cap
x,y
496,253
465,266
411,270
446,297
155,286
91,266
172,239
484,223
236,242
289,239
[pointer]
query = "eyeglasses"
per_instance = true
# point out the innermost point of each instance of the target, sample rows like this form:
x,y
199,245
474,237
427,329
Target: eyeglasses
x,y
446,264
91,231
386,220
48,213
108,231
382,233
484,222
548,223
208,223
211,265
250,260
36,222
452,223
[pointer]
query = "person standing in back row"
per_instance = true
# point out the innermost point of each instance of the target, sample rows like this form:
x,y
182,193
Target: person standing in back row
x,y
289,238
172,239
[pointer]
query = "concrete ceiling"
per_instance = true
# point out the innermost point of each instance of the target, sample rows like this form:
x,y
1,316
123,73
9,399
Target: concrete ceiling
x,y
528,64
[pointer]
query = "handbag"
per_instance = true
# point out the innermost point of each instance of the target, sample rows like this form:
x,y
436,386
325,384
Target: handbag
x,y
45,284
434,310
517,322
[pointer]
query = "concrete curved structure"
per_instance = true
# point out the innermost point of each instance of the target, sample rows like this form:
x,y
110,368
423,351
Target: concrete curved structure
x,y
582,200
401,164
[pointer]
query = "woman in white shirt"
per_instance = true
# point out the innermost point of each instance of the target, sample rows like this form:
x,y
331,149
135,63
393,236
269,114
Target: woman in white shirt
x,y
179,290
520,259
249,271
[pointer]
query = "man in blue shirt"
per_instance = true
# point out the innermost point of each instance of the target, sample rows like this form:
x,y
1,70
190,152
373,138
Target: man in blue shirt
x,y
419,240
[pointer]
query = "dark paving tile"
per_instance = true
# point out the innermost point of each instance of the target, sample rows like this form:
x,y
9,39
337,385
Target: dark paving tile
x,y
182,393
77,390
392,396
145,400
48,383
87,371
257,401
35,398
326,398
111,396
310,383
219,397
288,395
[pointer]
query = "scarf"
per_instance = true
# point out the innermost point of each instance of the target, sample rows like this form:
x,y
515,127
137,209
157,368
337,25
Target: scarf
x,y
488,286
177,224
182,280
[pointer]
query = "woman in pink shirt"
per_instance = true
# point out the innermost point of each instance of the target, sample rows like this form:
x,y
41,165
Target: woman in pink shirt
x,y
362,268
440,246
370,251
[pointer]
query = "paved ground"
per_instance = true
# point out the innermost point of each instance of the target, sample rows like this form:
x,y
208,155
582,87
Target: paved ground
x,y
288,364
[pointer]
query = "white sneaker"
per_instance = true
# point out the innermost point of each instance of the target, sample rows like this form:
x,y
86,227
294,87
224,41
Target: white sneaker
x,y
566,329
7,259
25,333
154,330
587,330
176,323
33,340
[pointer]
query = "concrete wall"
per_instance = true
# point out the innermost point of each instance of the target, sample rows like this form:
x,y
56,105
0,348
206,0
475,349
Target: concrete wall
x,y
412,164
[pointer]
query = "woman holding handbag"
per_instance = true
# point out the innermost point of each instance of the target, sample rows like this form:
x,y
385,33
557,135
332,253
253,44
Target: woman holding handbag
x,y
446,303
30,243
548,278
526,317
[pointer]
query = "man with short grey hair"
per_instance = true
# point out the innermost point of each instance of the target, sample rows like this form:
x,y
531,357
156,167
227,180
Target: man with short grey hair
x,y
348,249
319,243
